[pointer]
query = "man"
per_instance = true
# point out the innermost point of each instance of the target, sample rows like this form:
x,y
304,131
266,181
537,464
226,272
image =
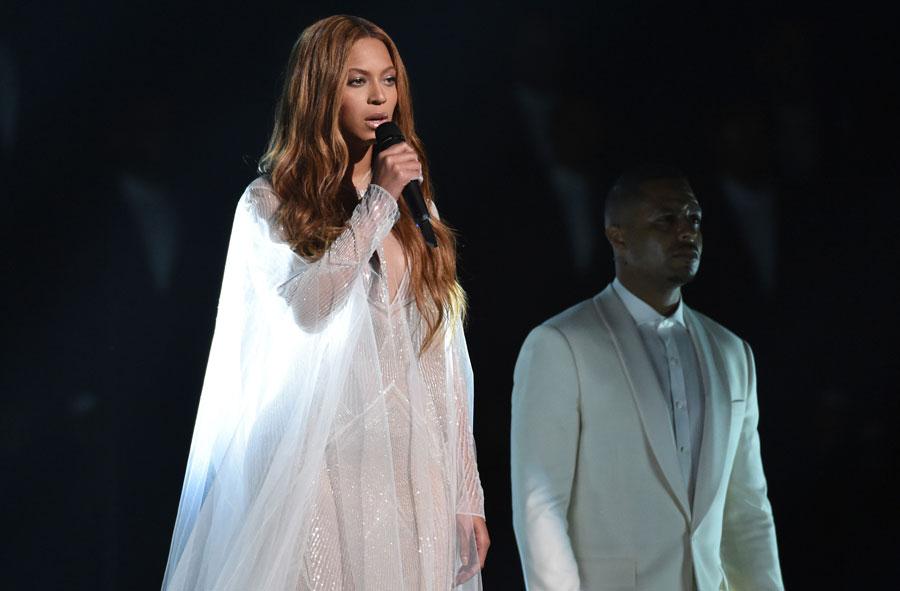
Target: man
x,y
635,454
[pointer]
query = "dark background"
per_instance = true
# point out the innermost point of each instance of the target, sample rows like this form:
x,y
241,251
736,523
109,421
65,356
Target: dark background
x,y
129,129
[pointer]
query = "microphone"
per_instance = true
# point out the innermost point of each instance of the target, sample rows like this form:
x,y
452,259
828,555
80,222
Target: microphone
x,y
386,135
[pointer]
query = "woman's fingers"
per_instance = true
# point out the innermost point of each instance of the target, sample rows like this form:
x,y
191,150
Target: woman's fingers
x,y
395,167
482,539
471,531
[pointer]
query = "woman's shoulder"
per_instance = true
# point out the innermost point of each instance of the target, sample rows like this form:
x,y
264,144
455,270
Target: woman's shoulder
x,y
260,198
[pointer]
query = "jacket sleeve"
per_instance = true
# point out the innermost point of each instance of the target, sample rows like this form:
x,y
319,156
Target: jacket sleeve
x,y
315,290
544,445
749,547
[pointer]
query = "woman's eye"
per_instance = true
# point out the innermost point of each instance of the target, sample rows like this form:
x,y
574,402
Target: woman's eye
x,y
390,80
357,81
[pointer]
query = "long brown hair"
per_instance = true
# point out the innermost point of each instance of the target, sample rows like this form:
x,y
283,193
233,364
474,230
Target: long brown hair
x,y
307,160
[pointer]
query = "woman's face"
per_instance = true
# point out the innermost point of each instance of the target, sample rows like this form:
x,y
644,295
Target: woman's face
x,y
370,91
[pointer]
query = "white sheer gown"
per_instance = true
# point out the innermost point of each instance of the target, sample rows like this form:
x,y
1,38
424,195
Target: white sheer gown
x,y
327,454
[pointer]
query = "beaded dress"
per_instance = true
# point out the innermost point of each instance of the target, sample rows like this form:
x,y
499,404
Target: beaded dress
x,y
328,454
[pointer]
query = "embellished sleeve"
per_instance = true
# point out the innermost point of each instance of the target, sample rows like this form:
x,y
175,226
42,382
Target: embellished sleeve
x,y
315,290
470,495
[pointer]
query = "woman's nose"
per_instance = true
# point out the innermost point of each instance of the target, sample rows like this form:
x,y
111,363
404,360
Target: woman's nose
x,y
377,95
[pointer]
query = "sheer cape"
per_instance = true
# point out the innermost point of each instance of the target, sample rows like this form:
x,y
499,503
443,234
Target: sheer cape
x,y
327,453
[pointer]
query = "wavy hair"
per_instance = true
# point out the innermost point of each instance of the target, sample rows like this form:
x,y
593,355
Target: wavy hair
x,y
307,161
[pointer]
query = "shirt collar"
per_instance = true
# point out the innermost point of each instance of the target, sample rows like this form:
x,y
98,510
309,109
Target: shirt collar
x,y
641,311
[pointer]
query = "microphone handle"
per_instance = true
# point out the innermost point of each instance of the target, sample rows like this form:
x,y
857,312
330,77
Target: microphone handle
x,y
386,135
412,194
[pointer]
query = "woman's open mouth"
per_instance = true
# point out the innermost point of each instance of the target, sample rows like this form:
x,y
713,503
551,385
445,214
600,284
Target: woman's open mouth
x,y
375,120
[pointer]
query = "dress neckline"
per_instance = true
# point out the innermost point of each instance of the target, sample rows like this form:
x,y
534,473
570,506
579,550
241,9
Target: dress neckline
x,y
401,289
401,297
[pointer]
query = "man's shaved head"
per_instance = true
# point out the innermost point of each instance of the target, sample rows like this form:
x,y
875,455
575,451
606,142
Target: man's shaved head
x,y
626,191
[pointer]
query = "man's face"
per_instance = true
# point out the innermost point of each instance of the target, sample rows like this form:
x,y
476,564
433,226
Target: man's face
x,y
661,239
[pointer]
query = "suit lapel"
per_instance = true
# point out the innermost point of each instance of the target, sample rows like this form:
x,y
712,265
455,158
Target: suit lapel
x,y
645,389
717,417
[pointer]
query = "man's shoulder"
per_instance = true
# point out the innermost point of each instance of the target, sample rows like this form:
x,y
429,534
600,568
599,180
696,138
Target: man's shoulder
x,y
575,318
719,332
575,329
578,325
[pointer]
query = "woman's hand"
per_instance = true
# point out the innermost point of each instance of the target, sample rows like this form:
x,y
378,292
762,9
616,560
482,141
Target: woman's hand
x,y
395,167
474,542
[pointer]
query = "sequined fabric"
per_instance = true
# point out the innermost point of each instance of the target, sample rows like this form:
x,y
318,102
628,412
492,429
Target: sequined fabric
x,y
328,454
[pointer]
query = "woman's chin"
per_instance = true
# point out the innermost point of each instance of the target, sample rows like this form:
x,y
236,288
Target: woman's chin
x,y
360,139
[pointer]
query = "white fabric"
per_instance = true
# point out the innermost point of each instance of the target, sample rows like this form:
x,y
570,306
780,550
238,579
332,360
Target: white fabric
x,y
674,359
596,501
641,311
326,453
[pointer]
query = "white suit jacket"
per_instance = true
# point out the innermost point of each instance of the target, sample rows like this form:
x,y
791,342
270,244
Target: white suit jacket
x,y
599,502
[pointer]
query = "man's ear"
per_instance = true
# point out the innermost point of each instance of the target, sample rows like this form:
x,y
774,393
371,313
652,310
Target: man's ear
x,y
616,237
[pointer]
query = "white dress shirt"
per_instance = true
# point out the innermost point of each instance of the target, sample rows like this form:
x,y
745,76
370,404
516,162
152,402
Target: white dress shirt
x,y
671,351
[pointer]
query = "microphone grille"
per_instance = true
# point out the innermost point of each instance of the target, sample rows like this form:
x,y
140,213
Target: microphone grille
x,y
387,134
